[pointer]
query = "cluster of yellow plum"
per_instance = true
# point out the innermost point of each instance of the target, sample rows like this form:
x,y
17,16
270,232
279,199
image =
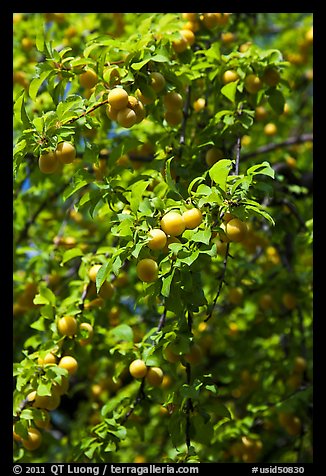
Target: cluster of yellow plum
x,y
126,110
172,224
49,162
139,370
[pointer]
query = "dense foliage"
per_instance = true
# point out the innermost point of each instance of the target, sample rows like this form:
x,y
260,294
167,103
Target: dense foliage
x,y
162,237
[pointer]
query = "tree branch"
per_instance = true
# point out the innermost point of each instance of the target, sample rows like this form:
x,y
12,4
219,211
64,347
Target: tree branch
x,y
30,222
139,398
221,282
74,119
269,147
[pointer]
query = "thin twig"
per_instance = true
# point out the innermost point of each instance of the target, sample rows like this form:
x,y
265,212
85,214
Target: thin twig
x,y
161,323
74,119
269,147
237,155
185,117
139,398
221,283
30,222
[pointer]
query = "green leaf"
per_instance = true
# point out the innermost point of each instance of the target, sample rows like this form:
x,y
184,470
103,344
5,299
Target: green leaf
x,y
188,260
263,168
70,254
123,332
39,324
189,391
140,64
220,171
45,296
202,236
229,90
166,284
194,181
20,111
36,83
102,274
137,190
276,100
171,183
44,389
258,211
79,181
159,58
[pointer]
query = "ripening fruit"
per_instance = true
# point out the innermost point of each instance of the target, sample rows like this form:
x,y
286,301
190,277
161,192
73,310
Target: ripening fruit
x,y
49,358
69,363
227,37
266,302
47,402
15,435
173,223
227,217
309,36
235,296
223,236
189,16
229,76
107,290
192,218
112,113
293,426
270,129
33,440
85,326
138,108
172,101
43,422
170,355
27,44
92,273
146,99
289,301
260,113
138,368
88,79
180,44
170,239
271,77
157,239
235,229
118,98
60,388
65,152
48,162
210,20
173,118
213,155
147,270
126,117
300,364
199,104
187,39
188,36
194,356
154,376
157,81
67,326
192,25
252,83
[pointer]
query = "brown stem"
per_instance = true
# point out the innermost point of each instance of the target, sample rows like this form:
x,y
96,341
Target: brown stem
x,y
139,398
269,147
96,106
221,282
